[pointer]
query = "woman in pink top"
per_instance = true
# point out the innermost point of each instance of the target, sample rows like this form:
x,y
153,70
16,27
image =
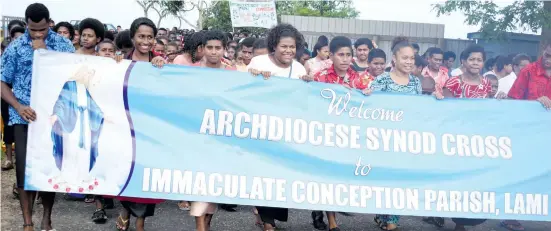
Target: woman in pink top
x,y
321,60
193,50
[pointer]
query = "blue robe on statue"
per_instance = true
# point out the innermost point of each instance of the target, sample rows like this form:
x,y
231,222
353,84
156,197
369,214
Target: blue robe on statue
x,y
68,112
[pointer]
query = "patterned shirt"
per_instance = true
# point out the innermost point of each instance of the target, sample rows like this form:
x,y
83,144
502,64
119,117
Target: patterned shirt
x,y
531,83
352,78
440,79
460,89
385,83
17,67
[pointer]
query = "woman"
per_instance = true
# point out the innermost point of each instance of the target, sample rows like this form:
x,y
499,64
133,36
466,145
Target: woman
x,y
193,50
399,80
283,42
65,29
321,59
469,85
76,39
142,32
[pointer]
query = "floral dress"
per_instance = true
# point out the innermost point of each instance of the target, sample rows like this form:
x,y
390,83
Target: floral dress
x,y
384,83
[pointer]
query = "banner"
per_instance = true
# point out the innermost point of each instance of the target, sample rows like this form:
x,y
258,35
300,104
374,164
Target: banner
x,y
195,134
253,14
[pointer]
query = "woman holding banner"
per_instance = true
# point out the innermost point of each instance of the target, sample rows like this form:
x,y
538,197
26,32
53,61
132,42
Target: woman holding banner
x,y
470,85
142,32
399,80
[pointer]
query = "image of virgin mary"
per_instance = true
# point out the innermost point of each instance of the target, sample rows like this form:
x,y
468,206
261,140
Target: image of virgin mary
x,y
77,122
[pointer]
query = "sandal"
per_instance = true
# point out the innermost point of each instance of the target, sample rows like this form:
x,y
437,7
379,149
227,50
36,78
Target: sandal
x,y
8,165
437,221
99,216
15,192
125,224
183,205
511,225
28,225
89,199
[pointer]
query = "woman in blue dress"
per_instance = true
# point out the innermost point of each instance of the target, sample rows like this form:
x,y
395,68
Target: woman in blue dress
x,y
400,80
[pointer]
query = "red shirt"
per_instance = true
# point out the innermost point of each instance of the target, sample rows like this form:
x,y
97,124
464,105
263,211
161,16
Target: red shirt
x,y
352,79
460,89
531,83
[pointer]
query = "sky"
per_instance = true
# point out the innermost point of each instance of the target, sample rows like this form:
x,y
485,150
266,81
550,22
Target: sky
x,y
123,12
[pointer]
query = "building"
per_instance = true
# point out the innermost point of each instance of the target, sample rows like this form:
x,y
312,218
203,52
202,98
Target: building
x,y
512,43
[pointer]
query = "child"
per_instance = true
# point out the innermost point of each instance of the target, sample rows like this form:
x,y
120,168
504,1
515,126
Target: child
x,y
171,52
495,84
106,48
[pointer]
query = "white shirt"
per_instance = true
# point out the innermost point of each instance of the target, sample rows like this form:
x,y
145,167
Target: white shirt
x,y
456,72
506,83
263,63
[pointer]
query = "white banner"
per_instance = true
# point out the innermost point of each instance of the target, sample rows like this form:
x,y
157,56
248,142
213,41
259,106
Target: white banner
x,y
253,14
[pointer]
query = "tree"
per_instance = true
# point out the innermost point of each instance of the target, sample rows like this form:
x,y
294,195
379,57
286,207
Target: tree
x,y
165,8
146,5
495,21
217,15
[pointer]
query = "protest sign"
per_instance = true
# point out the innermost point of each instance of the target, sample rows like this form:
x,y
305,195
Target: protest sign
x,y
253,14
195,134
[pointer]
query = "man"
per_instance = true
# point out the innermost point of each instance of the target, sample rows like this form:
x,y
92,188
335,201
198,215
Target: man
x,y
159,47
449,60
119,29
534,81
260,47
17,70
363,46
503,70
244,34
245,48
435,70
162,32
52,23
91,33
340,72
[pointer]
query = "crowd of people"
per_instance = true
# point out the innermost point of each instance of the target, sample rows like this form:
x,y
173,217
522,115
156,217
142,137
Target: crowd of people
x,y
283,53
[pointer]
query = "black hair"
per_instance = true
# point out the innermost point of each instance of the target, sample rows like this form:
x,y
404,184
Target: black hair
x,y
195,42
95,25
16,29
521,57
376,53
229,36
473,48
159,41
105,41
420,61
339,42
281,31
502,61
398,43
119,26
36,12
449,54
489,64
364,41
18,23
433,51
247,42
232,41
415,46
139,22
68,26
323,39
244,31
305,44
123,40
260,44
163,29
320,44
215,35
173,44
109,35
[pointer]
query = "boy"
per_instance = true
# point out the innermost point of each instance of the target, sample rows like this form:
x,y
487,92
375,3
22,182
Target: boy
x,y
171,52
106,48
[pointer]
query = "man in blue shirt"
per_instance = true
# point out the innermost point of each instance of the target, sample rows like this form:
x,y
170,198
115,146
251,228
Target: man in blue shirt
x,y
17,62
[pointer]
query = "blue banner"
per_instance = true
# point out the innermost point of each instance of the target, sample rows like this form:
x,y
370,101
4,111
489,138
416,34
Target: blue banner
x,y
186,133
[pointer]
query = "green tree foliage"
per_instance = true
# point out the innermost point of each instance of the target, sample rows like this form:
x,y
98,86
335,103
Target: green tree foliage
x,y
217,15
494,20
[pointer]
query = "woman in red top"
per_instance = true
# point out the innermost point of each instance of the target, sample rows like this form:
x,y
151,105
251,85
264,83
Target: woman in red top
x,y
142,32
470,84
